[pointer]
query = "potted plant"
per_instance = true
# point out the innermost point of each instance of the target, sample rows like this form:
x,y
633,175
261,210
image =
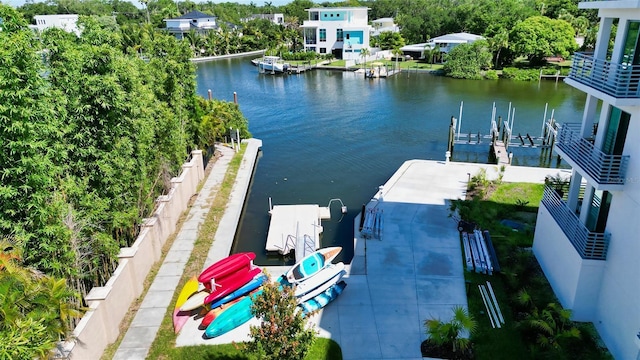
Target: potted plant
x,y
450,340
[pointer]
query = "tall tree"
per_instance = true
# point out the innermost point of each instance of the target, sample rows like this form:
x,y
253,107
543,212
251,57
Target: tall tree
x,y
538,37
466,61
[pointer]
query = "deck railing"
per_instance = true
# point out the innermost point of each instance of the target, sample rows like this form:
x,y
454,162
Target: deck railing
x,y
603,168
590,245
618,80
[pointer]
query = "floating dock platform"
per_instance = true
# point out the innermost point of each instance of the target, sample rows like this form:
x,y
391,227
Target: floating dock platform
x,y
291,222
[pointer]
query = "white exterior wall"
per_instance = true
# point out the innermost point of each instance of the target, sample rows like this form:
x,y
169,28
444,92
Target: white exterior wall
x,y
356,20
178,24
66,22
615,290
618,312
575,281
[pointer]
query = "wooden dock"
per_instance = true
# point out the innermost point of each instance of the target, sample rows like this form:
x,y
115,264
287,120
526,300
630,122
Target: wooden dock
x,y
500,152
290,222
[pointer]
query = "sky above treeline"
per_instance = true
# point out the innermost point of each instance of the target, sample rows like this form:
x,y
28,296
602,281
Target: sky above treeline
x,y
16,3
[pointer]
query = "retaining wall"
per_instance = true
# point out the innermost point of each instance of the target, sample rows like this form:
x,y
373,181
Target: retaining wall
x,y
108,304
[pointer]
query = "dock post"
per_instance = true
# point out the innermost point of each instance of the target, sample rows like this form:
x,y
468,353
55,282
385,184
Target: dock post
x,y
544,119
452,126
210,94
460,119
235,98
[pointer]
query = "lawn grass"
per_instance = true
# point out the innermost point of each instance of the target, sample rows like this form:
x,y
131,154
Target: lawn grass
x,y
404,65
520,270
322,349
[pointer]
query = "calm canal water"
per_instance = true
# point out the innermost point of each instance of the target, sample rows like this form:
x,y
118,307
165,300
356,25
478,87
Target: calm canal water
x,y
332,134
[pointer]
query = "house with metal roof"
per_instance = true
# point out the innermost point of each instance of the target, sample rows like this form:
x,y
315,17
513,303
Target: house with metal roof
x,y
195,20
445,43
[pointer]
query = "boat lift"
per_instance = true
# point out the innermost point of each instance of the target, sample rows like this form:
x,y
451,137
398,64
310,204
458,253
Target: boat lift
x,y
297,227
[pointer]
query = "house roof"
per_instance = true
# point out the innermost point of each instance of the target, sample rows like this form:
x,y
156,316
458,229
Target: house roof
x,y
195,14
414,47
456,38
383,20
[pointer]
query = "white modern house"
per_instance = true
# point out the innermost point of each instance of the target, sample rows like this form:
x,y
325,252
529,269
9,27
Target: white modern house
x,y
445,43
66,22
343,31
277,18
588,235
195,20
383,24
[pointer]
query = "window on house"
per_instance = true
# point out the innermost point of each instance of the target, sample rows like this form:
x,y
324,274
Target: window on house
x,y
323,50
323,35
339,35
348,36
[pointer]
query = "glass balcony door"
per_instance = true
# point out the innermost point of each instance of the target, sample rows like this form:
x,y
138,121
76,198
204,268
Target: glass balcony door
x,y
598,211
631,51
616,133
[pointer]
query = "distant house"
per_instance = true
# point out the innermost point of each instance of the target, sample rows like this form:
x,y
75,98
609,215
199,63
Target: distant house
x,y
66,22
195,20
445,43
342,31
383,24
277,19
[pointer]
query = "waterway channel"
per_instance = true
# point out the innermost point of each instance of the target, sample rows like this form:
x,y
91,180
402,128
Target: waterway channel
x,y
333,134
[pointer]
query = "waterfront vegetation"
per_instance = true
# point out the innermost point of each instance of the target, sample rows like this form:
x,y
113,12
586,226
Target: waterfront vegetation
x,y
90,135
92,129
536,326
534,29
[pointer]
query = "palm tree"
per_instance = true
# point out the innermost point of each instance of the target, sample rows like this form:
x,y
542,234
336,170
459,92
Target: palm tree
x,y
498,42
431,53
364,52
451,335
145,3
551,326
396,52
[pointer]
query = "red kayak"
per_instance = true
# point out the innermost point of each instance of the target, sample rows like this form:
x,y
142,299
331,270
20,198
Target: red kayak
x,y
231,283
226,267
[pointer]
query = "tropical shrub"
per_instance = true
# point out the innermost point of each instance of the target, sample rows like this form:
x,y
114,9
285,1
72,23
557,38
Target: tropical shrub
x,y
283,333
521,74
34,310
452,336
491,75
466,61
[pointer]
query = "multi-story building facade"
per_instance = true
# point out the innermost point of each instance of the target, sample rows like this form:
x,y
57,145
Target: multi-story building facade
x,y
588,233
343,31
66,22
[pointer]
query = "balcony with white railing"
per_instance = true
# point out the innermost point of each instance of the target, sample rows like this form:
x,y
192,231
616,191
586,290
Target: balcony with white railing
x,y
609,4
589,245
613,81
604,172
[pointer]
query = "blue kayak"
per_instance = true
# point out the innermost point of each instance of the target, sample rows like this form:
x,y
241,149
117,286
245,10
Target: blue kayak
x,y
248,287
311,264
232,317
323,299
